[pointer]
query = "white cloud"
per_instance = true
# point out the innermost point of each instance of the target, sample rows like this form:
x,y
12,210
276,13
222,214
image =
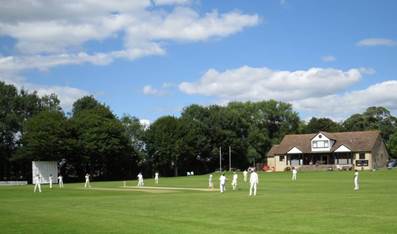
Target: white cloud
x,y
145,123
321,91
341,106
171,2
377,42
49,26
149,90
39,62
184,24
328,58
60,36
51,33
67,95
248,83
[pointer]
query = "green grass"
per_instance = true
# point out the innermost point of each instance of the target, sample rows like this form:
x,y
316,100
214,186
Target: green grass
x,y
318,202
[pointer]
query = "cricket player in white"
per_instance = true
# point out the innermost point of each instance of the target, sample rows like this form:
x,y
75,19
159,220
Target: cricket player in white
x,y
156,177
234,181
87,181
210,184
245,175
60,181
38,183
294,172
50,180
356,186
254,180
222,183
140,180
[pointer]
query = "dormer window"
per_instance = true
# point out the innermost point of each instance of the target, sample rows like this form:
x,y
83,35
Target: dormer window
x,y
320,143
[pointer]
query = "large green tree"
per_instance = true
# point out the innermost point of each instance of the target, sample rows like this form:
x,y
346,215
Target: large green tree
x,y
164,148
392,145
135,132
374,118
322,124
44,136
16,107
104,148
248,128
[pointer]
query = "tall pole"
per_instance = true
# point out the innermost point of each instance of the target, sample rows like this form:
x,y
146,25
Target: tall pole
x,y
230,158
220,159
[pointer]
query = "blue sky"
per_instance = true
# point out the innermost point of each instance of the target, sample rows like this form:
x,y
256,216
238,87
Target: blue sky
x,y
152,58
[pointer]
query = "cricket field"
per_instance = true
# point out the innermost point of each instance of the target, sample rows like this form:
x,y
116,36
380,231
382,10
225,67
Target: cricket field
x,y
318,202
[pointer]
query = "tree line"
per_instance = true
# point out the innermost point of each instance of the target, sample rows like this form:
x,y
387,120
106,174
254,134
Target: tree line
x,y
91,138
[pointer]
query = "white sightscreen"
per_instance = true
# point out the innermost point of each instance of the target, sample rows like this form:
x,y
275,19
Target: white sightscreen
x,y
45,169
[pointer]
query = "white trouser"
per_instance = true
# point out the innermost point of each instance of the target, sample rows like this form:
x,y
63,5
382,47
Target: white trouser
x,y
245,178
222,188
253,188
61,184
356,187
293,176
50,184
234,184
87,184
210,185
37,186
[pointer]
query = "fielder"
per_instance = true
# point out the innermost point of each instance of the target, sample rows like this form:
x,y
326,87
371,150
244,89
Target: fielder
x,y
245,173
50,180
254,180
140,180
210,183
156,177
234,181
60,181
38,183
222,183
356,186
294,173
87,181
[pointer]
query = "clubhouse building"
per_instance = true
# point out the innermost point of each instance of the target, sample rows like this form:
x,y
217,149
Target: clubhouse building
x,y
364,150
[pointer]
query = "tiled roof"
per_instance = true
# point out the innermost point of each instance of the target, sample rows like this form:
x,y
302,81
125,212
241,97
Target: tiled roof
x,y
273,150
355,141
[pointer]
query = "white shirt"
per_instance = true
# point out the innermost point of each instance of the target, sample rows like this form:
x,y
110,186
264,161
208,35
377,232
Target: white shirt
x,y
222,179
356,175
140,176
60,178
235,176
294,171
254,178
156,175
38,180
87,178
210,179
